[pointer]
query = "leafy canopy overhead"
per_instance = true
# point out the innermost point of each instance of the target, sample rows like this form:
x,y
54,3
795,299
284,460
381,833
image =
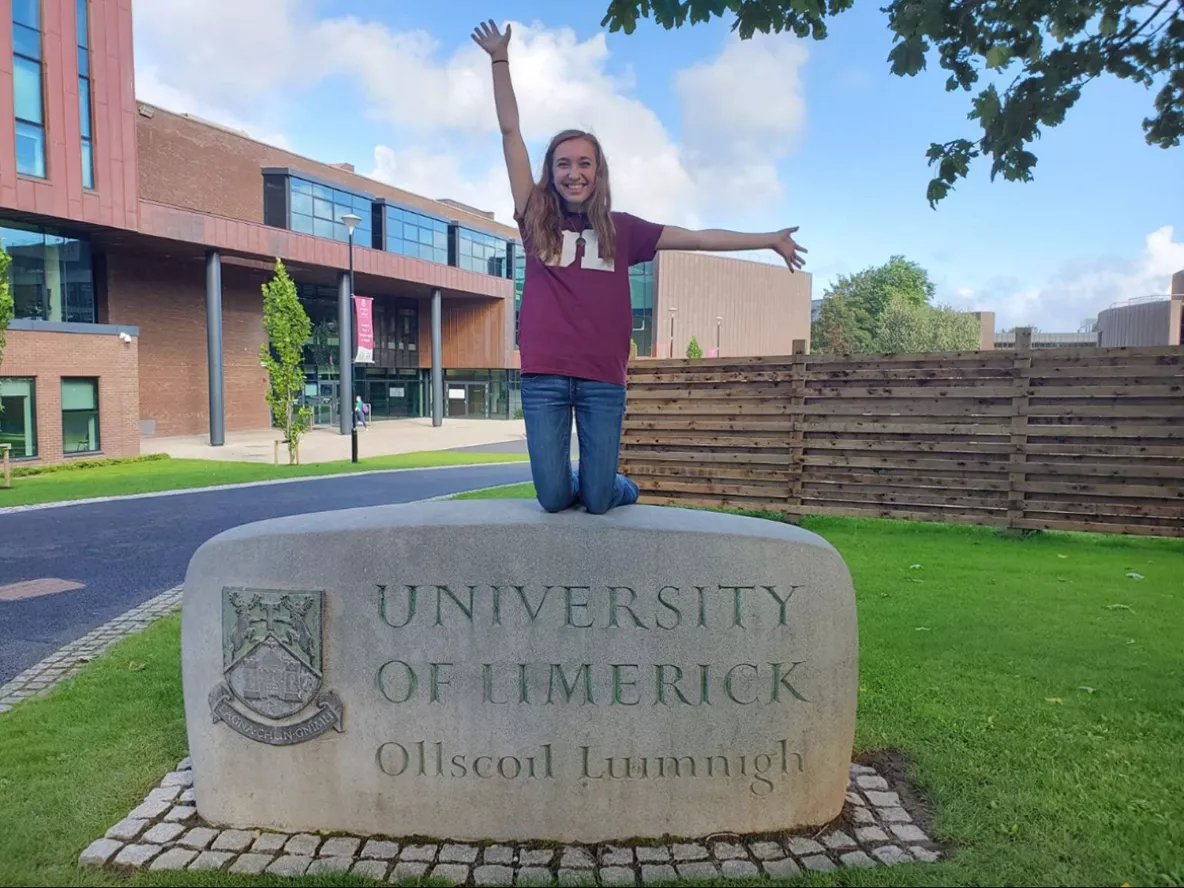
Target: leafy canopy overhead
x,y
1052,47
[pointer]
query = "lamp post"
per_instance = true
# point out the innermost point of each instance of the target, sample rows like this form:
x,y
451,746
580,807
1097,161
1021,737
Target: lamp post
x,y
351,221
672,311
718,320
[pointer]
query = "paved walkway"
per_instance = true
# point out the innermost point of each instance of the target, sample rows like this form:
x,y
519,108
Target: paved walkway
x,y
382,438
93,561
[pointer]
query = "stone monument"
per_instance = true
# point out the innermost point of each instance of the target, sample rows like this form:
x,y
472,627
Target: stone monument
x,y
485,670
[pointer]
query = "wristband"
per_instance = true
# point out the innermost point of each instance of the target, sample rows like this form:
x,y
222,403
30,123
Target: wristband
x,y
500,62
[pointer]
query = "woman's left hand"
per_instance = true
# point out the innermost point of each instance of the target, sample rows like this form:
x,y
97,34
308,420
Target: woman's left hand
x,y
788,249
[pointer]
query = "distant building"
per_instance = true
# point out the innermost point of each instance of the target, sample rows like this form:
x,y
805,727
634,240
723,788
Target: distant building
x,y
1146,321
1041,339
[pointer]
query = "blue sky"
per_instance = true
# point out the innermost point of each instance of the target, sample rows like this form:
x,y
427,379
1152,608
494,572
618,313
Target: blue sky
x,y
821,136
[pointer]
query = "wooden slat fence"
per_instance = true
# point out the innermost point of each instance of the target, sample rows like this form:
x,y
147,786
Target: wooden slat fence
x,y
1059,439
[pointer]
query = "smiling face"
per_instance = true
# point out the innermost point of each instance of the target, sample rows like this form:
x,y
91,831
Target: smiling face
x,y
573,170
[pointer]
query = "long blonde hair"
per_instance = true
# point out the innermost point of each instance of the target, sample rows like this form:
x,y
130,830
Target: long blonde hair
x,y
544,210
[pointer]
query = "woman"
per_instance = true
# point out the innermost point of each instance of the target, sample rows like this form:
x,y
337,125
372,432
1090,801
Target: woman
x,y
576,319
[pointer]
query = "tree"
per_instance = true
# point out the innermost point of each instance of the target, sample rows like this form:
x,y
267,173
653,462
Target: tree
x,y
694,350
840,328
288,328
852,307
908,328
1053,49
6,305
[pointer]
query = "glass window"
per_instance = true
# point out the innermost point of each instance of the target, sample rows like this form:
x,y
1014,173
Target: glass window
x,y
302,223
301,203
30,149
84,107
18,417
50,275
26,41
88,167
27,13
326,206
481,252
641,293
28,104
80,415
82,29
26,85
322,209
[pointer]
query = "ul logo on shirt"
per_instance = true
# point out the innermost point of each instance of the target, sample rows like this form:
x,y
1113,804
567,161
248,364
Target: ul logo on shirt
x,y
583,249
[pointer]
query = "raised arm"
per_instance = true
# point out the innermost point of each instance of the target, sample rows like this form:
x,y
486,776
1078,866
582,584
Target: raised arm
x,y
721,240
490,39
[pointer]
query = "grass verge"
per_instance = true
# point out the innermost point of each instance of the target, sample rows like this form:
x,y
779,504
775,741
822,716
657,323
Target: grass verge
x,y
153,476
1034,685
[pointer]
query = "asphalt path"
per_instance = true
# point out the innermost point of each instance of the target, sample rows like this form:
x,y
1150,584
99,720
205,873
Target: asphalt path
x,y
127,551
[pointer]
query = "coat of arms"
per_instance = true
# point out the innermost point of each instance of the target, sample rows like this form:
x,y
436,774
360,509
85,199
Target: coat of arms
x,y
272,649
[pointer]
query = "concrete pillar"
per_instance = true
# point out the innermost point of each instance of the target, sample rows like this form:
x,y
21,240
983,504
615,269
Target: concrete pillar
x,y
437,357
214,347
345,353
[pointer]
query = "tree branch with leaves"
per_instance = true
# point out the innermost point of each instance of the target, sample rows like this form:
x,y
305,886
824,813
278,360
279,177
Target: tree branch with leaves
x,y
1054,48
288,328
6,303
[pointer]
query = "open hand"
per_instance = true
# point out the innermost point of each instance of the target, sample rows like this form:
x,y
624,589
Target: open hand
x,y
489,38
788,249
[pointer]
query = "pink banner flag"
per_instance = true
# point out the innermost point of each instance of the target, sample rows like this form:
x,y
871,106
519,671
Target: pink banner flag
x,y
364,324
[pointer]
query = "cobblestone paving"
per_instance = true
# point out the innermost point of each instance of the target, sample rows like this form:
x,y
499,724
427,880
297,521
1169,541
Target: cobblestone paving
x,y
156,837
41,677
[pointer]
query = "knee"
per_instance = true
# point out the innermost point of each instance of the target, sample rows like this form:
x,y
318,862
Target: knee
x,y
553,501
597,502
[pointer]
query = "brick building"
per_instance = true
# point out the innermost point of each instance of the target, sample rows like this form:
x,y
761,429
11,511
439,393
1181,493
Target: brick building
x,y
140,239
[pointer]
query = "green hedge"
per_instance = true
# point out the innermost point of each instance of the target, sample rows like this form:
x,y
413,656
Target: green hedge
x,y
75,464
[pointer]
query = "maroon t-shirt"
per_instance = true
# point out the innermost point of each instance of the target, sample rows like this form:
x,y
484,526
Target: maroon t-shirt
x,y
576,317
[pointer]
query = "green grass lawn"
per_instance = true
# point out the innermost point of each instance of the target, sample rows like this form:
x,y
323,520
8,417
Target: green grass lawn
x,y
177,474
1037,690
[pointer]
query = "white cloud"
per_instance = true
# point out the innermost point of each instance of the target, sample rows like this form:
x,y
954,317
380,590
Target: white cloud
x,y
153,88
735,133
1080,290
228,59
230,54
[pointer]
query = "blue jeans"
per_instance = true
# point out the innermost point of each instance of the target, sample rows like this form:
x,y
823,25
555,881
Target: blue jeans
x,y
547,405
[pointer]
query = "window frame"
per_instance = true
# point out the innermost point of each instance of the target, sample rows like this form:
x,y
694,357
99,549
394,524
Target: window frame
x,y
42,161
32,381
95,411
86,99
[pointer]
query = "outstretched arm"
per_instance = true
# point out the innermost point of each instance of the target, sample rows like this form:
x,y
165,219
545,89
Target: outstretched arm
x,y
490,39
721,240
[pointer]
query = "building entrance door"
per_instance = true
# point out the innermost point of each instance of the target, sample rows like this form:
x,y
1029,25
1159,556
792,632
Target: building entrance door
x,y
467,399
325,403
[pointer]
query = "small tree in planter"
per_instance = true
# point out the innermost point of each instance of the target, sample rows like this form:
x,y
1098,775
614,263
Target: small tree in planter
x,y
288,328
693,348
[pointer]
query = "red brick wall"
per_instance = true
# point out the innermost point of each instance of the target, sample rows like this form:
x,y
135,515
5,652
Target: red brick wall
x,y
187,163
49,356
166,299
